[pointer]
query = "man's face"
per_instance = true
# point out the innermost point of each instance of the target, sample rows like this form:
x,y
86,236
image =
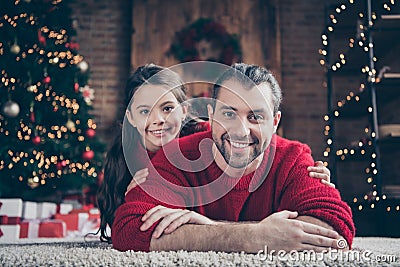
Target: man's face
x,y
243,122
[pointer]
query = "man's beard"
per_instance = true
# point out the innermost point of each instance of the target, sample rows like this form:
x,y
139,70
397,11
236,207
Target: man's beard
x,y
234,159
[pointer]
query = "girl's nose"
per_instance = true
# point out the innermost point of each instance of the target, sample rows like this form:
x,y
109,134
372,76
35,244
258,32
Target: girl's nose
x,y
158,117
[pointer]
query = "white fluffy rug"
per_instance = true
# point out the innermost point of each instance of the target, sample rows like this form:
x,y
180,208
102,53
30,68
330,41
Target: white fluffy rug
x,y
76,252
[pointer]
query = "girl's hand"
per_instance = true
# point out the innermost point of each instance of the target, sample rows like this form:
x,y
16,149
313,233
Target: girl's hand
x,y
171,219
319,171
140,177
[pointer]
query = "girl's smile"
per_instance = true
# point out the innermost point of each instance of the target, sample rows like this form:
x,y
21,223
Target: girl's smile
x,y
157,115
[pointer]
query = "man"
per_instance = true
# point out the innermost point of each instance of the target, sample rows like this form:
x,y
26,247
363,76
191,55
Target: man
x,y
249,178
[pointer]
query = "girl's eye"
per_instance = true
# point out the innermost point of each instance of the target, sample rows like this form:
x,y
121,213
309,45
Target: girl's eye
x,y
229,114
144,112
168,109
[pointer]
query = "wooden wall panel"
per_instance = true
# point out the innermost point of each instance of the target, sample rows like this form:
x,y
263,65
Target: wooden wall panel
x,y
155,23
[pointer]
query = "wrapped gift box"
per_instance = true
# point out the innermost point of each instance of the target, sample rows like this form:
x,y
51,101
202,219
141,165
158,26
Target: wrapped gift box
x,y
4,219
9,233
52,228
74,202
29,229
64,208
29,211
11,207
94,217
46,210
10,217
85,208
74,221
94,214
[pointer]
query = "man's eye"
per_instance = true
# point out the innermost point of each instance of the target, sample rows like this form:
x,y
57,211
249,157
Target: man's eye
x,y
144,112
228,114
256,117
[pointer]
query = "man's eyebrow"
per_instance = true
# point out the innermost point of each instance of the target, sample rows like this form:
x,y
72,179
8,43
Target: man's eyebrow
x,y
259,110
228,107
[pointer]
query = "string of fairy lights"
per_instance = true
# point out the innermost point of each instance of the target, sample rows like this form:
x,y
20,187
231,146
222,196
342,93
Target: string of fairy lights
x,y
42,91
365,146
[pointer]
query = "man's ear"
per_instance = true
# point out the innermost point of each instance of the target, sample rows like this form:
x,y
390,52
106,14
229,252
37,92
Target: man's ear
x,y
210,111
129,116
277,119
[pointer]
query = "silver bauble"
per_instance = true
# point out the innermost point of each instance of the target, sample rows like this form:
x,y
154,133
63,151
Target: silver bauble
x,y
15,49
83,66
10,109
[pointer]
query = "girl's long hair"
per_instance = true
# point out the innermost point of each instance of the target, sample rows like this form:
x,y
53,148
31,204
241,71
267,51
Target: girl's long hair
x,y
111,193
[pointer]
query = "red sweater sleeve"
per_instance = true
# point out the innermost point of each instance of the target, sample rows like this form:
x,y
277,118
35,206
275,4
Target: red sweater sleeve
x,y
310,197
125,231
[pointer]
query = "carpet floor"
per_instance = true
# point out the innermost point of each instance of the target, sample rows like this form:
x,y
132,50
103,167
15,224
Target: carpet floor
x,y
371,251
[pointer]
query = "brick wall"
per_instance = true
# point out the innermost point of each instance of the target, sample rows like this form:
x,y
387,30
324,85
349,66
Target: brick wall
x,y
104,32
104,37
304,101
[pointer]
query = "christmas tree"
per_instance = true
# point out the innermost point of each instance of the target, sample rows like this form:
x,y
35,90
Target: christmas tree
x,y
48,142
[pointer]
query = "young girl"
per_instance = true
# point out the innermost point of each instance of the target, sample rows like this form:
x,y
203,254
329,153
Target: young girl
x,y
155,115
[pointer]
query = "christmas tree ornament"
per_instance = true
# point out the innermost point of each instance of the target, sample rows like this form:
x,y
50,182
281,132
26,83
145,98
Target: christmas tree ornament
x,y
72,45
61,164
75,24
70,124
87,93
88,155
83,66
41,38
76,87
47,79
10,109
90,133
32,114
15,49
36,140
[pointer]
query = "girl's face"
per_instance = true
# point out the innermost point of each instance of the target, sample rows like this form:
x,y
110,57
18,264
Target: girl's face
x,y
157,115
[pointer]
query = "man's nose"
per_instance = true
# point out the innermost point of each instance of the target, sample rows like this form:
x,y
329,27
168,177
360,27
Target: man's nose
x,y
241,128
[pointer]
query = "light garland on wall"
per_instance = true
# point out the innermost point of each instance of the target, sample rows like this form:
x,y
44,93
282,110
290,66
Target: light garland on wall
x,y
364,147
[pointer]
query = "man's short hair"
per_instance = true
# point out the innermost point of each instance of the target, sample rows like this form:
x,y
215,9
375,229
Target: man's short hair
x,y
250,75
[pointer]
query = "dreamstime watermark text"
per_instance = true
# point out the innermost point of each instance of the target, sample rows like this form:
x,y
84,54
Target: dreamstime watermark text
x,y
328,254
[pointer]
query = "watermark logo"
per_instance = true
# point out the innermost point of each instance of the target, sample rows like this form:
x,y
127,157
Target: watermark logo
x,y
330,254
341,244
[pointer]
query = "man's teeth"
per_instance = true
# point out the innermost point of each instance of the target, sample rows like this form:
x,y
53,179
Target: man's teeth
x,y
158,132
239,145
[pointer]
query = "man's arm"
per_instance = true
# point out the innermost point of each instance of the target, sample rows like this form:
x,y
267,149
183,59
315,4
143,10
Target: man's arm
x,y
278,231
316,203
316,221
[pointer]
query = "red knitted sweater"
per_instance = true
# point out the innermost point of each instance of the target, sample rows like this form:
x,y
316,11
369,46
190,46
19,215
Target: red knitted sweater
x,y
287,186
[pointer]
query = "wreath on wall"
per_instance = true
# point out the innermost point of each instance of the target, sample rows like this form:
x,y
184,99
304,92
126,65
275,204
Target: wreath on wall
x,y
184,46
